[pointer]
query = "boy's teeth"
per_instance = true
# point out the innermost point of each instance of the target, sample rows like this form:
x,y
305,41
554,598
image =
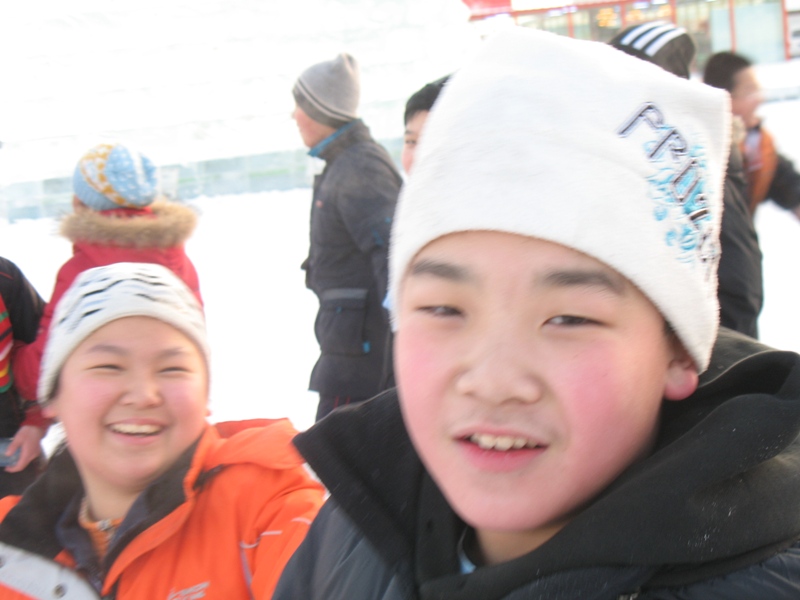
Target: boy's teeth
x,y
498,442
132,429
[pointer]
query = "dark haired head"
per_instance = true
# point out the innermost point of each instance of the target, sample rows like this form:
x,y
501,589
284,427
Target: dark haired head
x,y
423,98
722,67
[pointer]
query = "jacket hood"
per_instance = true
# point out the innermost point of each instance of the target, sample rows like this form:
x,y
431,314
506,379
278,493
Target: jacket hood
x,y
162,225
713,493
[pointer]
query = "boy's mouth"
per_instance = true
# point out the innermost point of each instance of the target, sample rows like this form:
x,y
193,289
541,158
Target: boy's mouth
x,y
502,443
135,429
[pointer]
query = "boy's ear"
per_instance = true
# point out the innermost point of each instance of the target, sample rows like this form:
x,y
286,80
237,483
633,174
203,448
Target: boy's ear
x,y
682,377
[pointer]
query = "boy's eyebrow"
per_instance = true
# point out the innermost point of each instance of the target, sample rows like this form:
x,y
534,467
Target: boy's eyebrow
x,y
579,277
440,269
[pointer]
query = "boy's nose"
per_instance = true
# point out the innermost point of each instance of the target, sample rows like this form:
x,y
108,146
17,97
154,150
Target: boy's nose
x,y
499,372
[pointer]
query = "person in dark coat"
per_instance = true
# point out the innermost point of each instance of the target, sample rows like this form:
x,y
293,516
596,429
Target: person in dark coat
x,y
770,175
741,282
351,217
21,420
551,437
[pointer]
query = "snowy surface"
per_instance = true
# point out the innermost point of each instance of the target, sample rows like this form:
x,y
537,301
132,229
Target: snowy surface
x,y
187,80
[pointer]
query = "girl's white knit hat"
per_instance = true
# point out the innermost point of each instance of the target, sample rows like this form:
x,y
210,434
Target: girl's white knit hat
x,y
104,294
577,143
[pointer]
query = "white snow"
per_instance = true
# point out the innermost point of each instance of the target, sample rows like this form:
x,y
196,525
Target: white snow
x,y
190,80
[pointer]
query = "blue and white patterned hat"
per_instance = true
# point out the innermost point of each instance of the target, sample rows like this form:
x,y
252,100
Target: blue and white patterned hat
x,y
577,143
114,176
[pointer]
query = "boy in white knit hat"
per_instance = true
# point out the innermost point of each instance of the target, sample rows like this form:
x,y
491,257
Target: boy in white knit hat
x,y
147,499
553,278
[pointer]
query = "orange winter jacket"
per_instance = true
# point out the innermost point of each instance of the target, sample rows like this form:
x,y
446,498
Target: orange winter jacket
x,y
221,524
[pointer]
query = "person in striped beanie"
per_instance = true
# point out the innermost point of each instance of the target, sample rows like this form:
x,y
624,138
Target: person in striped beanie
x,y
146,499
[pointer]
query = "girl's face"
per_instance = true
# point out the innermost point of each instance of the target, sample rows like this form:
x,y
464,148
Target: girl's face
x,y
132,398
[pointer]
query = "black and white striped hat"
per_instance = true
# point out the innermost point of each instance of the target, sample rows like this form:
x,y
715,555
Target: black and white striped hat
x,y
661,43
104,294
329,91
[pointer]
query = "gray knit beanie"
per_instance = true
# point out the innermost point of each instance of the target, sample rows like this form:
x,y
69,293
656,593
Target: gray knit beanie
x,y
101,295
329,91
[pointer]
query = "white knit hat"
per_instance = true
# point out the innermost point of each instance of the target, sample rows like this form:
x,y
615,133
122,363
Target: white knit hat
x,y
580,144
104,294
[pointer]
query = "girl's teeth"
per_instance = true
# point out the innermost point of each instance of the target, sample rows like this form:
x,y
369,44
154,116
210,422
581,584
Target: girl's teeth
x,y
132,429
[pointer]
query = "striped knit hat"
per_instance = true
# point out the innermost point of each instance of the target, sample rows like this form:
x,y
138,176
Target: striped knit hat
x,y
329,91
114,176
104,294
661,43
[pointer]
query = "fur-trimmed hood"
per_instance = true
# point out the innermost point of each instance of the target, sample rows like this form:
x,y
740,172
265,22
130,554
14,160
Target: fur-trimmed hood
x,y
163,225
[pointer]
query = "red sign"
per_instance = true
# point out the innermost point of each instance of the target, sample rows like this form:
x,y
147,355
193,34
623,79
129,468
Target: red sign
x,y
485,8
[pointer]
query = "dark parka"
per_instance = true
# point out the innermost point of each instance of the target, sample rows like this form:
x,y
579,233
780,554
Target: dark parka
x,y
351,216
713,513
20,310
741,285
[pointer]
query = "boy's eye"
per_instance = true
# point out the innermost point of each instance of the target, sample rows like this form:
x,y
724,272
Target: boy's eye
x,y
410,142
571,320
441,311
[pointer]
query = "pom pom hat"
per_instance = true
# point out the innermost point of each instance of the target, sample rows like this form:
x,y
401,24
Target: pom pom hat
x,y
577,143
114,176
104,294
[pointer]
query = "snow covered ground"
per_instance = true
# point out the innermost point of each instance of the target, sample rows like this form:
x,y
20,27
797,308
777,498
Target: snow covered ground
x,y
248,248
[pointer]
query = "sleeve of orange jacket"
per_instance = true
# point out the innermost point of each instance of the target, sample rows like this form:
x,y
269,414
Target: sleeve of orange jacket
x,y
281,525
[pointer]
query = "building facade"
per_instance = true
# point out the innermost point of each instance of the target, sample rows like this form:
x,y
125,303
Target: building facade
x,y
766,31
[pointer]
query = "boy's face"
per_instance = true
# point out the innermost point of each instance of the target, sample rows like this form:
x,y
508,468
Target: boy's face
x,y
530,377
411,138
746,96
132,398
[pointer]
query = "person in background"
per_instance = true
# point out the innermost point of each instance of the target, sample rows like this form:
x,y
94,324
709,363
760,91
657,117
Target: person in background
x,y
146,499
351,215
770,175
21,421
553,285
119,216
741,283
418,107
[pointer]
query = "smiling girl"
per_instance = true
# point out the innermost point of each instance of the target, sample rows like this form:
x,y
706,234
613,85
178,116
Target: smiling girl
x,y
146,499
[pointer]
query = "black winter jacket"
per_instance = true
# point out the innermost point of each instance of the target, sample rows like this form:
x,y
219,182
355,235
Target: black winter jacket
x,y
741,285
351,217
713,513
24,308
